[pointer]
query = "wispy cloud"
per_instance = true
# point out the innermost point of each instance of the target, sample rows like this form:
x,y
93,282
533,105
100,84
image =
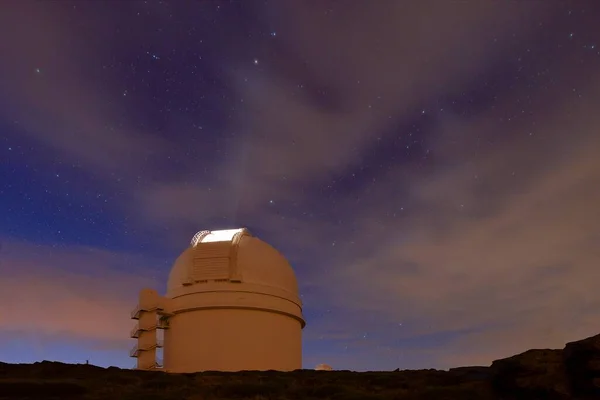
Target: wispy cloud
x,y
512,268
76,293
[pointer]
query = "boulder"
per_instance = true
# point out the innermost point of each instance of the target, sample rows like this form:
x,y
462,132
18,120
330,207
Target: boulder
x,y
582,366
534,374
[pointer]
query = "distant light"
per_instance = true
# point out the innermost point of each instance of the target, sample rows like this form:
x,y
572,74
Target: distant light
x,y
273,33
37,70
255,61
323,367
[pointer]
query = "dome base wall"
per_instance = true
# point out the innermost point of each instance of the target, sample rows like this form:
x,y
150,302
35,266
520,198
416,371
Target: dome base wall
x,y
232,340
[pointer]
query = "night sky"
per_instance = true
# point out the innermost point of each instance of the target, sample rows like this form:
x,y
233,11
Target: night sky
x,y
431,169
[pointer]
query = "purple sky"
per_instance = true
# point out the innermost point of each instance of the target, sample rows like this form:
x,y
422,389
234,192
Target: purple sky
x,y
429,168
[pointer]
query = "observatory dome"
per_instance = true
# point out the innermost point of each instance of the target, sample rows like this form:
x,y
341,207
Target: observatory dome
x,y
231,304
232,255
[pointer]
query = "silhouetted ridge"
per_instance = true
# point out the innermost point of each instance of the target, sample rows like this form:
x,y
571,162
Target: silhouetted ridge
x,y
572,373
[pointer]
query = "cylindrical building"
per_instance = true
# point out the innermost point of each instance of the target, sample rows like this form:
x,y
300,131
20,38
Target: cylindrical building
x,y
233,305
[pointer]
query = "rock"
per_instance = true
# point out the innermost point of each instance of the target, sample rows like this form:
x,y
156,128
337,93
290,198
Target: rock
x,y
534,374
582,366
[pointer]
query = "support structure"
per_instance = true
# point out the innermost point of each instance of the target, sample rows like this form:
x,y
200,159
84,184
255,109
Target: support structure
x,y
151,316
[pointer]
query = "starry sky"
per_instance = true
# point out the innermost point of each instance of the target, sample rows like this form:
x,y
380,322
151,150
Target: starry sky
x,y
429,168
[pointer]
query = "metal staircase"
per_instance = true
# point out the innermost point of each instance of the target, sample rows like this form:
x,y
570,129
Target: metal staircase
x,y
135,350
135,313
154,318
162,323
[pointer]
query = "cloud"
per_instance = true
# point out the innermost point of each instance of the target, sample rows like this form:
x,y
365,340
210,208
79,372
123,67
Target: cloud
x,y
75,293
516,273
378,68
390,68
51,89
285,136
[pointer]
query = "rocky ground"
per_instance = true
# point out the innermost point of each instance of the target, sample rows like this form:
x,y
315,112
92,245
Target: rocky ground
x,y
571,373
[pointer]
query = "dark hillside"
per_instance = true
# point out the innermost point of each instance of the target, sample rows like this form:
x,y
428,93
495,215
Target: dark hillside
x,y
571,373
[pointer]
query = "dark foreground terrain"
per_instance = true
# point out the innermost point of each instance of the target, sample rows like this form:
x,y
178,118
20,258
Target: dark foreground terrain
x,y
571,373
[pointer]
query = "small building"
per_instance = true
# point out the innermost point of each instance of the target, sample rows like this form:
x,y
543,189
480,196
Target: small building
x,y
231,304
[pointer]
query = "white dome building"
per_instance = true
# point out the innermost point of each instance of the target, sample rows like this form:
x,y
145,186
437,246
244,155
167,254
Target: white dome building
x,y
232,304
